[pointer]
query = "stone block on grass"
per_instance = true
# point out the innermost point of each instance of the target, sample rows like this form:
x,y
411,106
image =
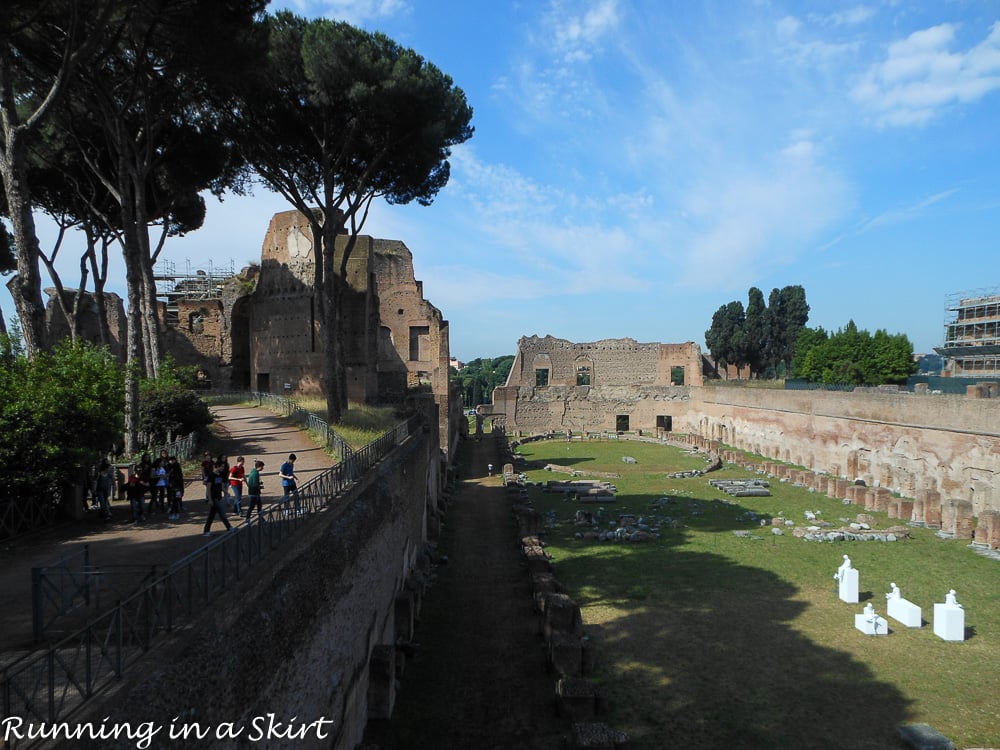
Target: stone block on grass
x,y
597,736
575,699
565,654
923,737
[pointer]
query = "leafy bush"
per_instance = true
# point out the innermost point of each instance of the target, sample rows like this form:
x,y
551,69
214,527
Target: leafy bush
x,y
167,405
60,412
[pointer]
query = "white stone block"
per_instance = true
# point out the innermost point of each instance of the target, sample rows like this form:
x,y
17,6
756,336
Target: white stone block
x,y
871,626
949,622
849,586
904,611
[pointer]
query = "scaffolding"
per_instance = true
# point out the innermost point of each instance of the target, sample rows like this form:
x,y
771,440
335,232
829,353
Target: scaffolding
x,y
972,333
195,283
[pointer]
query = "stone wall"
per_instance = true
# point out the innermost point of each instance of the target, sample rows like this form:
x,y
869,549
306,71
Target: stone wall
x,y
312,631
905,442
609,362
908,443
89,325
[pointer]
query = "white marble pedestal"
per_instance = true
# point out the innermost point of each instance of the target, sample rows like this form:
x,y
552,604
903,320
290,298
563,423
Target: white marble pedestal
x,y
848,586
904,611
949,622
874,626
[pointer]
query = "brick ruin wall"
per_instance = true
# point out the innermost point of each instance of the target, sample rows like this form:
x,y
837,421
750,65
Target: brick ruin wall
x,y
587,408
908,443
610,362
911,444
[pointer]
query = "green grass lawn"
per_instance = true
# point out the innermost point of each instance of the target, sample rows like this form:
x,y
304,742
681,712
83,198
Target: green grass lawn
x,y
706,640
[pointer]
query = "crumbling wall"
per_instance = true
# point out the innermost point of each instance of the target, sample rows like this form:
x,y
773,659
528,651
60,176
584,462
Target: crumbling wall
x,y
908,443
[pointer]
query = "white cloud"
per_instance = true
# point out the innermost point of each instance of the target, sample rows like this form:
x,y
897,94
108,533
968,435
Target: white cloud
x,y
908,213
743,222
920,76
852,16
356,12
575,35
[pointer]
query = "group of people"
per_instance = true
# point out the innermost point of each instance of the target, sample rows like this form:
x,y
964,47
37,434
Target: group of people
x,y
163,481
222,481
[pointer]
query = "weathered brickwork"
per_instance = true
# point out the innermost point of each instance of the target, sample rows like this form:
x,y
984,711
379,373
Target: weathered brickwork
x,y
940,453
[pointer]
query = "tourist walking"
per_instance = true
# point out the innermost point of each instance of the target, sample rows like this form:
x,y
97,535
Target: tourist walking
x,y
207,475
254,487
102,488
215,507
223,461
134,490
289,482
175,487
158,491
237,476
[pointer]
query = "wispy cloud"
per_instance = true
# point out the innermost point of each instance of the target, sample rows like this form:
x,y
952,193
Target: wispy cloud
x,y
745,222
356,12
574,36
920,76
907,213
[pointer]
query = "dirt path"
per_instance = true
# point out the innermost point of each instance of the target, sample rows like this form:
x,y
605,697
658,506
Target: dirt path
x,y
122,548
478,679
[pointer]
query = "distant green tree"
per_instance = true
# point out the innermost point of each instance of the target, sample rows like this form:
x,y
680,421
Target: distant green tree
x,y
725,339
853,357
480,376
61,410
787,315
755,332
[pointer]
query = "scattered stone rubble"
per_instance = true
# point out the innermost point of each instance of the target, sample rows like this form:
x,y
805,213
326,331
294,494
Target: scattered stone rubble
x,y
569,652
743,487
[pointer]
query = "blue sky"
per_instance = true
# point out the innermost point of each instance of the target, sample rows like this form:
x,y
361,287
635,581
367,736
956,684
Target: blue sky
x,y
638,163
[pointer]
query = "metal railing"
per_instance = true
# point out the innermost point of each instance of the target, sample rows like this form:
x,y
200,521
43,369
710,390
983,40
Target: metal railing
x,y
51,684
291,410
59,588
21,515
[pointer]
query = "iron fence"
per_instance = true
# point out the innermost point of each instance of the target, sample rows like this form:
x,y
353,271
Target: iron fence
x,y
292,411
20,515
51,684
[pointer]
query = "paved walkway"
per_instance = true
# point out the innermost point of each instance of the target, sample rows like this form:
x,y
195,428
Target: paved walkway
x,y
252,433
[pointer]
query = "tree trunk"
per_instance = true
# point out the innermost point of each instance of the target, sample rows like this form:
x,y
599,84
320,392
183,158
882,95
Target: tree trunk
x,y
100,274
26,286
133,359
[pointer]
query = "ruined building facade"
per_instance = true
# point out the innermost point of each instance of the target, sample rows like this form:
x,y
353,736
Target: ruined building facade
x,y
916,445
613,384
262,329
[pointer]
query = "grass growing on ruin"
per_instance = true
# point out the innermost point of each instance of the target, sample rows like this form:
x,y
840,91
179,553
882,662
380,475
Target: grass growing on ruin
x,y
360,424
714,640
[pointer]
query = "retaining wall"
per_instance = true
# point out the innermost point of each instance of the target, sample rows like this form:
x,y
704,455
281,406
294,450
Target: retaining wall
x,y
313,635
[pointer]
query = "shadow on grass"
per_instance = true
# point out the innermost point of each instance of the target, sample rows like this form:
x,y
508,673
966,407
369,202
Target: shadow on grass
x,y
700,652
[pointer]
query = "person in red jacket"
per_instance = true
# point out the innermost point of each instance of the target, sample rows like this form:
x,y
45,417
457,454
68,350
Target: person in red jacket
x,y
237,476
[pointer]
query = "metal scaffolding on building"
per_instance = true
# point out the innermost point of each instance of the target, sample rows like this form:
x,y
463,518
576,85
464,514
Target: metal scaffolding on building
x,y
194,283
972,333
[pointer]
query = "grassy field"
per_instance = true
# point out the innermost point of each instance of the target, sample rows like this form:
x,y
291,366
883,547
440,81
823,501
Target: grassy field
x,y
705,639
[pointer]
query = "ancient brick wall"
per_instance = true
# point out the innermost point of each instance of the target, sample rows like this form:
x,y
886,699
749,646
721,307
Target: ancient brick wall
x,y
908,443
415,329
114,309
609,362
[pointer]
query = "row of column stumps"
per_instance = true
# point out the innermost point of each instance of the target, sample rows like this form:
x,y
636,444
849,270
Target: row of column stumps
x,y
387,661
569,653
928,509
